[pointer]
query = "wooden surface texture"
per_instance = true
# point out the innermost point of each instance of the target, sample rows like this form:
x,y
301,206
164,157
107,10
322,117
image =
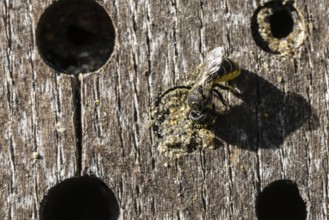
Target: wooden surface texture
x,y
99,123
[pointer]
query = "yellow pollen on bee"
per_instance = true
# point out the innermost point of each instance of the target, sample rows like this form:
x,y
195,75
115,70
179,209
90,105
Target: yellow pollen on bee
x,y
229,76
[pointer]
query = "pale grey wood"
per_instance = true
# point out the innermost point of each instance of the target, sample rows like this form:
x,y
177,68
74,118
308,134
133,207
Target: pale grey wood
x,y
36,106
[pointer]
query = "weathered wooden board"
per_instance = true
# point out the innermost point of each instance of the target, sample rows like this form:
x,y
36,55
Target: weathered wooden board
x,y
280,131
36,116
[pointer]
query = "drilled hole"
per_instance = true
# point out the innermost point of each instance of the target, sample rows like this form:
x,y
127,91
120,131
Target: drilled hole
x,y
280,200
281,24
86,198
75,36
278,27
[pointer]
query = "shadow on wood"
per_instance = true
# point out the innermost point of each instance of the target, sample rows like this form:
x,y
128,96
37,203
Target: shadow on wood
x,y
266,116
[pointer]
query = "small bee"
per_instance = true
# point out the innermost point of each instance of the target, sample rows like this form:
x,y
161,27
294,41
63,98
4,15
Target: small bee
x,y
216,69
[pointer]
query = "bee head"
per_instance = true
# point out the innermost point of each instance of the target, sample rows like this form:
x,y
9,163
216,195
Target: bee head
x,y
197,100
202,117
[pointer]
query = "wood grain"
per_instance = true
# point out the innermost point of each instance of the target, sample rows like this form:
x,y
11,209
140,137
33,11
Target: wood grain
x,y
279,131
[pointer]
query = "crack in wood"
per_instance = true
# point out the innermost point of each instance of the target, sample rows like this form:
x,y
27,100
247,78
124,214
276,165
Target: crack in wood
x,y
77,121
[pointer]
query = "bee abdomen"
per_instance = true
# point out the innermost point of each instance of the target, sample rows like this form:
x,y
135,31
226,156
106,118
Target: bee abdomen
x,y
228,70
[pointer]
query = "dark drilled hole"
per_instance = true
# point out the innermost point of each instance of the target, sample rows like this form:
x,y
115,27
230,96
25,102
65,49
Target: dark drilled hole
x,y
278,27
281,24
280,200
75,36
79,36
86,198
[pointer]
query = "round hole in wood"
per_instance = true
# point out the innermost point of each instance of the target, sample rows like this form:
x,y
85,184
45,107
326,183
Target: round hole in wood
x,y
278,27
84,197
280,200
281,24
75,36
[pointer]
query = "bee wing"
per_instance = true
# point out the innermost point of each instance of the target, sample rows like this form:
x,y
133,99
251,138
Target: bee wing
x,y
210,69
212,63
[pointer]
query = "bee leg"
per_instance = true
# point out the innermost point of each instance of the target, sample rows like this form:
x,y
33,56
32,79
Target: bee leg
x,y
158,100
234,90
221,98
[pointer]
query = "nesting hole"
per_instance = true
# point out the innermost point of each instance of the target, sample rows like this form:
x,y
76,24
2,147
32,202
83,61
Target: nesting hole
x,y
281,24
280,200
75,36
86,198
278,27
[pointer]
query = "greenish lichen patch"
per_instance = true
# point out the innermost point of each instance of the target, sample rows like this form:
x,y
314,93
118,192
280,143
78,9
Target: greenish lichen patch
x,y
176,134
